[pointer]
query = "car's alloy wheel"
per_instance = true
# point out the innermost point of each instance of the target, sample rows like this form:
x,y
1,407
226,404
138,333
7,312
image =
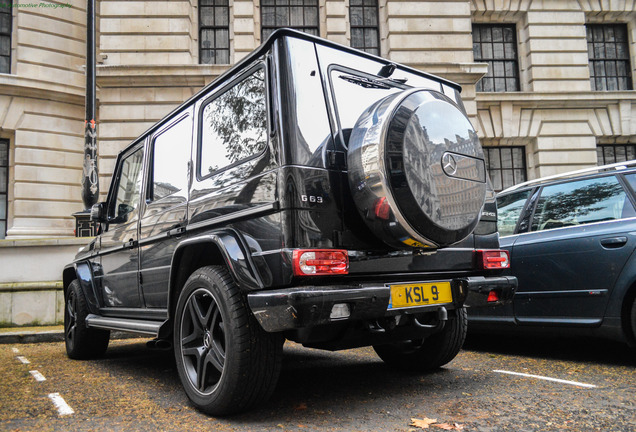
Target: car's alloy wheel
x,y
203,341
227,363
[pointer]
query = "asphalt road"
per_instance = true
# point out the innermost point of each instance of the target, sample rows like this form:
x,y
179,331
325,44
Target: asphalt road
x,y
135,388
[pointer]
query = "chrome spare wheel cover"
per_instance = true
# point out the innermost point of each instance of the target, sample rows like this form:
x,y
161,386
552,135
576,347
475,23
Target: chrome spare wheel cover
x,y
417,170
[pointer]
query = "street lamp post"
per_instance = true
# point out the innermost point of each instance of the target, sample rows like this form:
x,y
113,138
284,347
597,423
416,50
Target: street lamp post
x,y
90,177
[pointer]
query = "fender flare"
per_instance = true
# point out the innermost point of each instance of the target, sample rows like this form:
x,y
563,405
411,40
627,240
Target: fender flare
x,y
84,274
232,250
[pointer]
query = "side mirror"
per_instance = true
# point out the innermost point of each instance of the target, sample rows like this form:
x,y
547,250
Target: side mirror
x,y
98,212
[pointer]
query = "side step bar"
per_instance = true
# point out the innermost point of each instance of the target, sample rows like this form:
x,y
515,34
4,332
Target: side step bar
x,y
126,325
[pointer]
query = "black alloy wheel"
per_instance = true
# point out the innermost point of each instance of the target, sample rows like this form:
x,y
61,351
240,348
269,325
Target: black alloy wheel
x,y
226,362
203,341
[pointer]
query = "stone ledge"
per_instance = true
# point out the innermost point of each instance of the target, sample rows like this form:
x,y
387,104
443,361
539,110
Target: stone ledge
x,y
31,286
32,242
560,99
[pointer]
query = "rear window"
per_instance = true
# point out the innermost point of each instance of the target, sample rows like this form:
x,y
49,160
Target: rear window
x,y
581,202
354,92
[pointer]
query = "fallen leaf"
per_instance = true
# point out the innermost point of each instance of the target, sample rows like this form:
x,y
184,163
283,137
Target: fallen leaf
x,y
422,423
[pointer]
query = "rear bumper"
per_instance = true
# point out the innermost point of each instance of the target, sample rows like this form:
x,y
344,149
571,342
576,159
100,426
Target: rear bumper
x,y
308,306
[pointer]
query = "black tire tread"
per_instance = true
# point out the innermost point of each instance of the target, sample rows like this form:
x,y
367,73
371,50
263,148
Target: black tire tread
x,y
89,342
436,351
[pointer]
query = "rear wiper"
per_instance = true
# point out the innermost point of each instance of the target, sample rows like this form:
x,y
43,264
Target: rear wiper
x,y
365,82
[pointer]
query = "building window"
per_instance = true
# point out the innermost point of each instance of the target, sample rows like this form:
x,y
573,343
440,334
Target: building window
x,y
506,166
214,32
608,50
5,39
297,14
4,185
364,25
497,46
609,154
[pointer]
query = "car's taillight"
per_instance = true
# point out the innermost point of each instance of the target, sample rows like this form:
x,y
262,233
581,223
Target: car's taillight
x,y
319,262
382,209
493,259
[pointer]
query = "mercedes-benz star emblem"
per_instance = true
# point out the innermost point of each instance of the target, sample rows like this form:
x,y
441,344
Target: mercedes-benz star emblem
x,y
449,164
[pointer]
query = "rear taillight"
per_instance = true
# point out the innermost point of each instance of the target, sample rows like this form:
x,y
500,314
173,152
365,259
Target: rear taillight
x,y
493,259
382,209
320,262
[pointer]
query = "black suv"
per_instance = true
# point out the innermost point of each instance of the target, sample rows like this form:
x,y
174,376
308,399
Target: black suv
x,y
309,193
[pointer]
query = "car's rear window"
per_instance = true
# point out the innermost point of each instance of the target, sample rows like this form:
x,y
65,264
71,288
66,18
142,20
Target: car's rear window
x,y
581,202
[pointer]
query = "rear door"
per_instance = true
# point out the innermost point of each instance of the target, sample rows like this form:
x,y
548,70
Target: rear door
x,y
580,237
164,216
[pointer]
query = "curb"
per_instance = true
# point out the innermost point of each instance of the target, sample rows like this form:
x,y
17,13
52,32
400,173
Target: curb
x,y
28,337
32,337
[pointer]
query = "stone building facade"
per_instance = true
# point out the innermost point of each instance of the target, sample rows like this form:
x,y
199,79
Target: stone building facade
x,y
547,84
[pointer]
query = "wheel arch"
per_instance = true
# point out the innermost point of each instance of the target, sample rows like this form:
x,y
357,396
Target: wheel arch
x,y
222,248
628,299
82,271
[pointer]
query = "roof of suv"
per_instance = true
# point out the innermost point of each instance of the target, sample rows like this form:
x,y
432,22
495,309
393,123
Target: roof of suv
x,y
572,174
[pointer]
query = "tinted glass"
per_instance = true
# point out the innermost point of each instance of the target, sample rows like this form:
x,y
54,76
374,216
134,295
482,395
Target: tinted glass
x,y
509,208
581,202
170,159
129,188
234,125
354,93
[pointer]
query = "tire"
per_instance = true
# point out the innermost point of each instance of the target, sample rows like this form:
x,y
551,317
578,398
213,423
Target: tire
x,y
226,362
632,321
81,342
430,353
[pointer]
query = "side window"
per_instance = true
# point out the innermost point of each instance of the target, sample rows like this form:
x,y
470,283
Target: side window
x,y
234,125
509,209
581,202
124,207
171,152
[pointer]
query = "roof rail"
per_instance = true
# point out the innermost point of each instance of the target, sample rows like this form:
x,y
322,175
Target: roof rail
x,y
615,166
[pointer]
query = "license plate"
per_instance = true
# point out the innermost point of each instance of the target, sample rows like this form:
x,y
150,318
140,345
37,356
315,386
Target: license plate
x,y
420,294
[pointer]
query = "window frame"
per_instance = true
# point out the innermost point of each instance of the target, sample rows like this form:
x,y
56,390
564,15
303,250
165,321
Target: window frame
x,y
3,234
592,61
364,27
112,193
301,28
620,180
481,59
214,27
500,170
600,148
218,92
149,194
9,34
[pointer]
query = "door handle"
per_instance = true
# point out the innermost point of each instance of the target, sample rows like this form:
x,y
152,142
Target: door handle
x,y
130,244
614,242
176,231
